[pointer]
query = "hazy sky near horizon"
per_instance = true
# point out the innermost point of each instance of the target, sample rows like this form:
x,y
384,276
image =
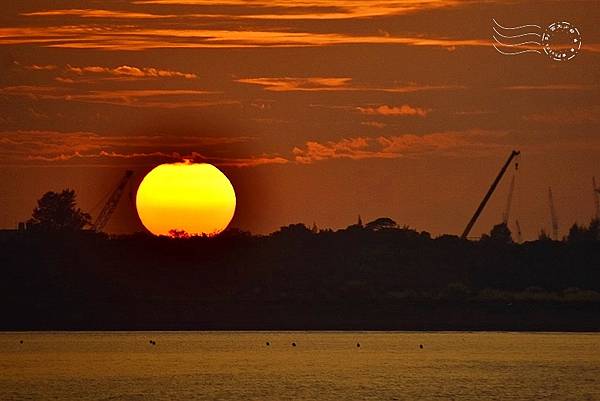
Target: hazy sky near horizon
x,y
317,110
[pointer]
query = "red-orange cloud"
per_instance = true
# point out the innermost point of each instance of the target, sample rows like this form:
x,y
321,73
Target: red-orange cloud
x,y
129,71
333,84
89,147
385,110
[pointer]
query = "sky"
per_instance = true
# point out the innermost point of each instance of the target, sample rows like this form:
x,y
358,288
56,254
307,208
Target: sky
x,y
318,111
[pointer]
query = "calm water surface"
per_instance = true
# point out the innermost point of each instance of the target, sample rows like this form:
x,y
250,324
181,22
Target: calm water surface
x,y
323,366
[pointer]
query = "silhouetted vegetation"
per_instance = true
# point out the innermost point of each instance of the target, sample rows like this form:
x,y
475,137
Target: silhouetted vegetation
x,y
374,276
57,211
500,234
579,233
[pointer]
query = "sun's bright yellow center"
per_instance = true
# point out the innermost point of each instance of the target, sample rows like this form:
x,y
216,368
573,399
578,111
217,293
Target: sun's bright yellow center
x,y
193,197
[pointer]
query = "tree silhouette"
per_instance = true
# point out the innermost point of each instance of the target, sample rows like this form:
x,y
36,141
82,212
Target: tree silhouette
x,y
58,212
543,236
175,233
297,230
500,234
579,233
381,224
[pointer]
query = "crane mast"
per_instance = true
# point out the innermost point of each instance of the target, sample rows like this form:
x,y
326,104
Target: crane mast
x,y
554,219
511,189
111,203
489,193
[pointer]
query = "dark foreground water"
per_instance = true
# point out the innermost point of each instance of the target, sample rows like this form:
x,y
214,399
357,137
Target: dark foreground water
x,y
322,366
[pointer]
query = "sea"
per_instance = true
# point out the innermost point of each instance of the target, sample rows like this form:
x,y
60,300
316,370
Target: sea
x,y
299,365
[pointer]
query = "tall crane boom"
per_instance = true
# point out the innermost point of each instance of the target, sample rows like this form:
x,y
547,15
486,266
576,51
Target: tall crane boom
x,y
489,193
511,189
554,219
111,203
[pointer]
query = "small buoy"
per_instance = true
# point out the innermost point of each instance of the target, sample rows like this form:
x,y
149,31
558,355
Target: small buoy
x,y
268,343
293,344
421,346
357,345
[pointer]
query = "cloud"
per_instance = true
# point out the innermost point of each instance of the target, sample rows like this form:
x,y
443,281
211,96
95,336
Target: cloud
x,y
393,147
36,67
552,87
129,71
256,23
374,124
154,157
286,84
385,110
148,98
89,147
566,117
333,84
136,38
94,13
53,142
316,9
120,71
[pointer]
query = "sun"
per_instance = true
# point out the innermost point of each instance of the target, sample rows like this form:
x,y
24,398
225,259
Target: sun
x,y
193,197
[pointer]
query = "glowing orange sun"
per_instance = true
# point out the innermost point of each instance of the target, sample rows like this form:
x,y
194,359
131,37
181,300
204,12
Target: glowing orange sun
x,y
194,197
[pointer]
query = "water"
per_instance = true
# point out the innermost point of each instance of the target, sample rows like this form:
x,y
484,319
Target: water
x,y
323,366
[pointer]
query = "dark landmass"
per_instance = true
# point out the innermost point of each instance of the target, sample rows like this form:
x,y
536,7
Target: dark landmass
x,y
360,278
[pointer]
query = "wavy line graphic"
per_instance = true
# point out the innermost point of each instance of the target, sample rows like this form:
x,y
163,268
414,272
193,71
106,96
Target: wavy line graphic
x,y
516,53
515,36
515,27
511,43
529,42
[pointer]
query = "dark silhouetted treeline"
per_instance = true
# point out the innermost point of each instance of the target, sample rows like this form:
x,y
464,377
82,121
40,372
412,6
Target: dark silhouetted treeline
x,y
378,276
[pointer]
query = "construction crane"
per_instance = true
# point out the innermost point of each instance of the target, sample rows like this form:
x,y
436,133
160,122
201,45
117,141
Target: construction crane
x,y
553,218
489,193
111,203
511,189
596,198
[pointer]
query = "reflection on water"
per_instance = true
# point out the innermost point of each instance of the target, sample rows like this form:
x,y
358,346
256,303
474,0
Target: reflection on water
x,y
322,366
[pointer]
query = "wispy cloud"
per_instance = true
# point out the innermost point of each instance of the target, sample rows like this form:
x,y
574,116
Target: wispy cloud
x,y
134,38
35,67
374,124
552,87
158,98
158,156
95,13
299,84
331,84
393,147
566,116
129,71
78,147
129,26
317,9
385,110
119,71
52,142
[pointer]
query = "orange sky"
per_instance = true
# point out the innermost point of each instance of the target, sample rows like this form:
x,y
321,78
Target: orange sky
x,y
318,110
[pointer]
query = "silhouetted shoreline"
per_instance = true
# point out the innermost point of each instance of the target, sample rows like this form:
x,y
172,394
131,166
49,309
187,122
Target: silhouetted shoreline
x,y
298,279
